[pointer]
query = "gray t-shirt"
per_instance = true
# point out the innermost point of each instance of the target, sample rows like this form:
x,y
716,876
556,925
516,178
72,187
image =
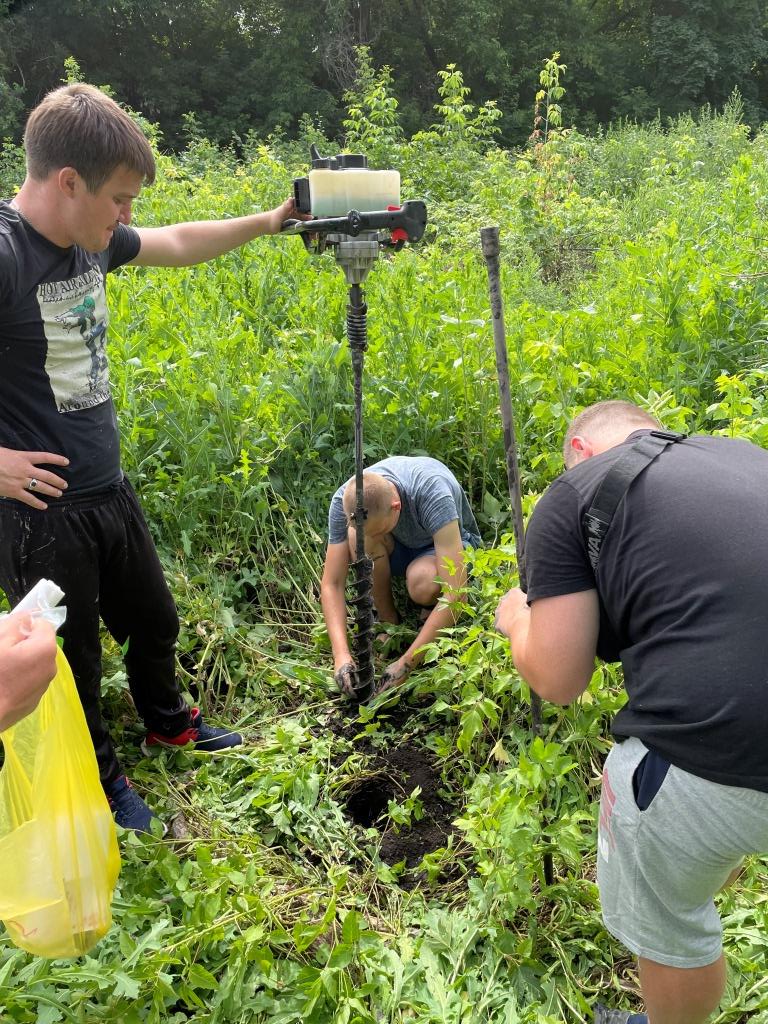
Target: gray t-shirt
x,y
431,497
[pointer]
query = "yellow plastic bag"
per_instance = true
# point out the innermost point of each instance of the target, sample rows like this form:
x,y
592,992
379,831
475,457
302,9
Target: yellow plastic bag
x,y
59,859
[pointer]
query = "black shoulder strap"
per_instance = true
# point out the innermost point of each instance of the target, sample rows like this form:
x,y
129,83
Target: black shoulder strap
x,y
618,479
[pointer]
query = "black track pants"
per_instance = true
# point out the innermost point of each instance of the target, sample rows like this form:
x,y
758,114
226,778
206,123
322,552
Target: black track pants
x,y
99,551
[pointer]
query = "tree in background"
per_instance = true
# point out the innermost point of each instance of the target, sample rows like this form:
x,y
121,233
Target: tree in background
x,y
239,65
259,65
701,50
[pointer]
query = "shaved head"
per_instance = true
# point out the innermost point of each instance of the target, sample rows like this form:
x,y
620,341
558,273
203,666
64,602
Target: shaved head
x,y
602,426
379,496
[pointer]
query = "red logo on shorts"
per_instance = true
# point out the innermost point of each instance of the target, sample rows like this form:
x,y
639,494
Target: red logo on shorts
x,y
605,840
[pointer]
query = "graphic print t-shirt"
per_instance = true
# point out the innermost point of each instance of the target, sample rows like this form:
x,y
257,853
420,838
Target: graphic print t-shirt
x,y
54,376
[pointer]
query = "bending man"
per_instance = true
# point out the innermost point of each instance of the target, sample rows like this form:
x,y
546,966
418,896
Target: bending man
x,y
419,522
680,597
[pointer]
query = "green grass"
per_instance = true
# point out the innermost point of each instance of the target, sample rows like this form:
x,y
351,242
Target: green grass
x,y
632,267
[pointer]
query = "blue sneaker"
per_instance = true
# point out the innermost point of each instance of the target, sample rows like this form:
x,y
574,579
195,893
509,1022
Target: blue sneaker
x,y
198,735
128,808
605,1016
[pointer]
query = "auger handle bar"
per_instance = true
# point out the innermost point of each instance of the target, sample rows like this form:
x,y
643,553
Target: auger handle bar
x,y
410,219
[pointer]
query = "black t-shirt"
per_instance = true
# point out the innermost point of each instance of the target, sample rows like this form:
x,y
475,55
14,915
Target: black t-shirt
x,y
683,582
54,377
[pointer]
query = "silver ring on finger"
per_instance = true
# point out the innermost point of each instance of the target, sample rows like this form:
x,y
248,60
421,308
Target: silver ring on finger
x,y
32,484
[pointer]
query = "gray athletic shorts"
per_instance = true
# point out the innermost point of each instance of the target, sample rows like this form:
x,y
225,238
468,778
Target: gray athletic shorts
x,y
658,869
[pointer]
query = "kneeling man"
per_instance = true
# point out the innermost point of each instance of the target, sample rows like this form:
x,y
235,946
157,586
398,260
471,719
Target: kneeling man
x,y
418,524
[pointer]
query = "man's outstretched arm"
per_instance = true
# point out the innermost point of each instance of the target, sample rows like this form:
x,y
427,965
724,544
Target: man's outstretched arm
x,y
183,245
553,642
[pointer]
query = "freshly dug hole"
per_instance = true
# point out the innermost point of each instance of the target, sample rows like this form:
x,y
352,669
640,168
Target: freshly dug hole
x,y
367,804
398,773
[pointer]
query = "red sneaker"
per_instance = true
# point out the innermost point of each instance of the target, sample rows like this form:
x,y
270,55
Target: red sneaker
x,y
198,735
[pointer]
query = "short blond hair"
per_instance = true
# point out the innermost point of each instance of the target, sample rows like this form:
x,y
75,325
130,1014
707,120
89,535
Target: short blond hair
x,y
377,495
606,416
79,126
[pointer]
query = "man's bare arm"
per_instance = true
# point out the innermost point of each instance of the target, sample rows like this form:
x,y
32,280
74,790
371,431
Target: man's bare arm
x,y
333,601
183,245
452,574
553,642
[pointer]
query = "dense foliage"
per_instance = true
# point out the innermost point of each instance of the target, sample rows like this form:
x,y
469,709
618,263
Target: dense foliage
x,y
633,266
260,65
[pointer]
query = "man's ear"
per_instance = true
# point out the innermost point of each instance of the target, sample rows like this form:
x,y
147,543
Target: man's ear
x,y
69,181
396,505
581,448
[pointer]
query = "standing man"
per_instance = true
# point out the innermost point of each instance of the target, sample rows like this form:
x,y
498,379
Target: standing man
x,y
419,522
680,596
66,510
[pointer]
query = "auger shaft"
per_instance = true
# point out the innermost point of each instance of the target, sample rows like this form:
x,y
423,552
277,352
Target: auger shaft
x,y
361,601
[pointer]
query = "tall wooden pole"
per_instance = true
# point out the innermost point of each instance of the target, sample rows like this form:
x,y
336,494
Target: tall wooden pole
x,y
489,238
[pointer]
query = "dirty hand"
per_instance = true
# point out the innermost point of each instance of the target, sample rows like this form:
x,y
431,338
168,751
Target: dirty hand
x,y
27,665
394,674
22,479
514,603
345,678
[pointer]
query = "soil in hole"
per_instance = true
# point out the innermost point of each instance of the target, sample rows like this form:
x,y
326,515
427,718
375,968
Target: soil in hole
x,y
368,803
398,773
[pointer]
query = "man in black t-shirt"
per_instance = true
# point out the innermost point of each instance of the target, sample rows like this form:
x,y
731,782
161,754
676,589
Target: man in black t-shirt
x,y
66,511
680,596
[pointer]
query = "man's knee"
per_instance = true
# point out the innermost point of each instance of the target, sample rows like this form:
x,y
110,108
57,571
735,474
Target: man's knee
x,y
168,630
420,581
163,629
154,633
679,995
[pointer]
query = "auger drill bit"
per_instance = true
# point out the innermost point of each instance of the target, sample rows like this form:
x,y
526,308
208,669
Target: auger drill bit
x,y
361,601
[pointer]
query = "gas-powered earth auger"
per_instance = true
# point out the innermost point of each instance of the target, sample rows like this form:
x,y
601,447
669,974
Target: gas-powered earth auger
x,y
357,213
